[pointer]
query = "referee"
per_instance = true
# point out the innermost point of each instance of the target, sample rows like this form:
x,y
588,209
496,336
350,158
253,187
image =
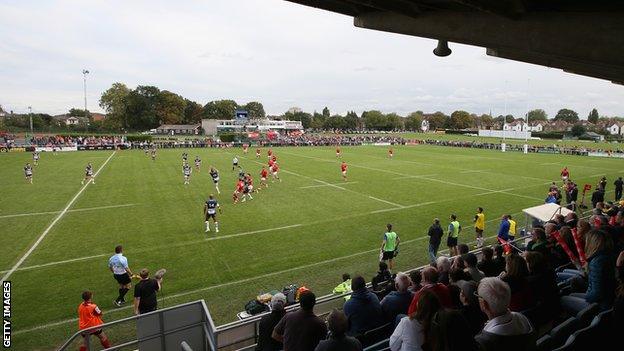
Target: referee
x,y
118,264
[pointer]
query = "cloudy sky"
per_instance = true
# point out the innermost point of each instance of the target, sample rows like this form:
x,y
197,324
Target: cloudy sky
x,y
273,51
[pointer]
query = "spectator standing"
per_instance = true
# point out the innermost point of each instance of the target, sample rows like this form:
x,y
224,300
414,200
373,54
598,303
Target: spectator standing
x,y
618,188
363,308
597,196
487,264
90,315
412,332
338,340
397,302
268,323
389,246
301,330
601,274
602,184
145,299
454,229
435,238
504,330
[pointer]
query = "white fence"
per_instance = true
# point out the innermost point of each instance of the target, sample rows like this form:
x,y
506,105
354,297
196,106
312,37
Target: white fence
x,y
508,134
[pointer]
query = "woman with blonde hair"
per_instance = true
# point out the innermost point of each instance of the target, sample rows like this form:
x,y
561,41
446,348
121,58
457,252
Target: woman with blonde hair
x,y
600,274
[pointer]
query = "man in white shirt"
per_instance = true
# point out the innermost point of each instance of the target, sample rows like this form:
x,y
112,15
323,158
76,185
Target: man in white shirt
x,y
118,265
504,330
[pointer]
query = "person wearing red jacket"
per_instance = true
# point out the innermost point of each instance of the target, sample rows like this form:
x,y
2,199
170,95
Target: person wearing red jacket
x,y
430,283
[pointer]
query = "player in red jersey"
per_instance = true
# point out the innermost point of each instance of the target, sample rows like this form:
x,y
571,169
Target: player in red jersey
x,y
274,170
271,162
245,148
343,169
269,153
565,174
258,153
338,152
263,177
240,186
390,152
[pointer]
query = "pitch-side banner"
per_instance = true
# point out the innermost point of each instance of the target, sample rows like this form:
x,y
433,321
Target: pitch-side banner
x,y
606,154
49,148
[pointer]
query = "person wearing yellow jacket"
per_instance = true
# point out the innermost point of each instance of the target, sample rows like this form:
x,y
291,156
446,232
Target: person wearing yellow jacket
x,y
344,287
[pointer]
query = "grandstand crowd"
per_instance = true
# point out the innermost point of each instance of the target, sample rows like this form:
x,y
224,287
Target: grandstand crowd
x,y
562,286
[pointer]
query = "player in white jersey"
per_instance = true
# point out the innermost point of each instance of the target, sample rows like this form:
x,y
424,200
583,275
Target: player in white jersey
x,y
89,174
197,163
36,158
235,163
28,173
187,170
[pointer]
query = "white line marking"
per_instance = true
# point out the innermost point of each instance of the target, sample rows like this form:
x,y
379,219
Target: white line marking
x,y
47,230
70,211
388,202
471,171
415,176
549,163
322,185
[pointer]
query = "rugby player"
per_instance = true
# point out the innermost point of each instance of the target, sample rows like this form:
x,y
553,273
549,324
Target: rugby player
x,y
390,152
274,170
263,177
89,174
389,246
245,148
479,221
338,152
184,158
210,211
248,189
565,174
512,228
235,163
214,173
187,170
153,154
36,158
118,265
90,315
240,186
269,153
197,163
28,173
258,153
343,169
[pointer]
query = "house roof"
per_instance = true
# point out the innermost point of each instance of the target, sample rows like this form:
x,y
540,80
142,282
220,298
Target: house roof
x,y
179,126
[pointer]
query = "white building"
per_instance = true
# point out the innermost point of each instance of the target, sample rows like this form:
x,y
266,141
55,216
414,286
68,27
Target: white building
x,y
614,128
515,126
536,127
215,126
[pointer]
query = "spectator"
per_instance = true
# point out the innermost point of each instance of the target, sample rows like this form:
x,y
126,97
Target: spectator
x,y
457,276
268,323
443,264
412,332
543,282
363,308
435,238
516,277
505,330
383,275
619,183
301,330
470,261
487,264
450,331
90,315
538,243
338,340
415,279
145,293
344,287
430,283
397,302
597,196
470,307
503,233
499,259
601,275
618,305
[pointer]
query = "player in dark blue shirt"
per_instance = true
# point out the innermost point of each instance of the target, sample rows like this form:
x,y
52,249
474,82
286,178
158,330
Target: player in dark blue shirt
x,y
214,173
210,211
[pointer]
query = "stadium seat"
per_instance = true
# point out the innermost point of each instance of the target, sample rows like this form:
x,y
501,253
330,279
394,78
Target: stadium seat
x,y
383,345
373,336
545,343
586,315
561,332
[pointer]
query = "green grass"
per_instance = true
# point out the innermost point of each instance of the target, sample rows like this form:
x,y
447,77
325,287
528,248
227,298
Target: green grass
x,y
290,233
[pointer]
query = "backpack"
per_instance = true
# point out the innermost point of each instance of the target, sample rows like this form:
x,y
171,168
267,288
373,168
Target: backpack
x,y
254,307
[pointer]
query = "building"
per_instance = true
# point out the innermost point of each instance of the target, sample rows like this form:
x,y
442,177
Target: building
x,y
558,126
294,110
614,128
516,126
96,117
216,126
536,126
172,129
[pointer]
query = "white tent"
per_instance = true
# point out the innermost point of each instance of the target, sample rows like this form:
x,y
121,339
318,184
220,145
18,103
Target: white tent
x,y
545,212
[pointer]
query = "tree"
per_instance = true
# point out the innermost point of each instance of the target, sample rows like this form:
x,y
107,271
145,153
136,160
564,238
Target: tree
x,y
169,108
141,108
114,102
76,112
193,112
460,120
220,109
318,120
537,115
567,115
325,112
593,116
255,109
578,130
486,121
334,122
438,120
352,121
414,121
393,122
374,120
509,118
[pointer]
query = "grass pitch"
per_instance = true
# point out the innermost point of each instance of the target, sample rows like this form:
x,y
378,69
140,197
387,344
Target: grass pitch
x,y
307,230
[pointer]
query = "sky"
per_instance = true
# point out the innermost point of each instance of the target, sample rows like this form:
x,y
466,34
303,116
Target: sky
x,y
273,51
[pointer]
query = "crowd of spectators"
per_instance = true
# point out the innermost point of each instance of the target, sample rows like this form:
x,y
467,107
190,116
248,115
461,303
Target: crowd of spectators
x,y
500,301
335,140
66,140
